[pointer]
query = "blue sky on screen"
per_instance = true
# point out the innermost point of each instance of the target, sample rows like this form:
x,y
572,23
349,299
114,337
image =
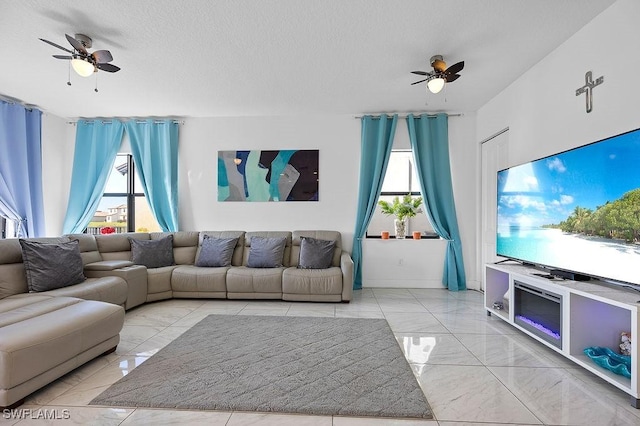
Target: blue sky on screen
x,y
546,191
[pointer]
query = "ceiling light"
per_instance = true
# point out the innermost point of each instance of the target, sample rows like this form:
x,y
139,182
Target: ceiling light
x,y
435,84
83,67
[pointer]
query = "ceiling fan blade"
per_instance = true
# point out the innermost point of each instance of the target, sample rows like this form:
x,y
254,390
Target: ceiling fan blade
x,y
62,56
76,44
455,68
420,72
56,45
451,77
108,67
419,81
102,56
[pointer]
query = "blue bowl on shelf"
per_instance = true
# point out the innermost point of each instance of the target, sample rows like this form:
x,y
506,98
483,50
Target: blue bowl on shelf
x,y
606,358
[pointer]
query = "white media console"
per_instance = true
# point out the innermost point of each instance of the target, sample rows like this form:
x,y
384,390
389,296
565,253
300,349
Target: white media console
x,y
591,313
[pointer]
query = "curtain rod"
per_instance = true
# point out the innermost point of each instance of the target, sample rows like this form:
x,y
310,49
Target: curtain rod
x,y
15,101
459,114
109,121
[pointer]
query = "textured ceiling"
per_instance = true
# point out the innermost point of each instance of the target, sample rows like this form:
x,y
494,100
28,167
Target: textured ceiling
x,y
204,58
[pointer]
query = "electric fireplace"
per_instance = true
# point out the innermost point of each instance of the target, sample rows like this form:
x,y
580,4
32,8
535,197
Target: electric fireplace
x,y
539,312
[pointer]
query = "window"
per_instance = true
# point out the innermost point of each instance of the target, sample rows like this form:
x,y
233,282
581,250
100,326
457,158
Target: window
x,y
123,207
8,228
401,179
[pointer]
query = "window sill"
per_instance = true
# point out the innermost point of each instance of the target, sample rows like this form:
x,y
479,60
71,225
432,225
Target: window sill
x,y
391,237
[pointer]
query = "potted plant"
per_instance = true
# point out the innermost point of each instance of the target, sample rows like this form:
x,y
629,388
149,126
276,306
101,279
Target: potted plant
x,y
401,209
108,230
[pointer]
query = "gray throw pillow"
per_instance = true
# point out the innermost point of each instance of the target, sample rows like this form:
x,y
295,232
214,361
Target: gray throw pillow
x,y
315,254
51,265
152,253
266,252
216,252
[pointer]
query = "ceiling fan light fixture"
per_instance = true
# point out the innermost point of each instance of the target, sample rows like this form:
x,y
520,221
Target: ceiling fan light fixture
x,y
83,67
435,84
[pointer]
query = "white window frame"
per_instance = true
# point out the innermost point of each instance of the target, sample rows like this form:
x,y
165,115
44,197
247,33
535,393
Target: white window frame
x,y
418,223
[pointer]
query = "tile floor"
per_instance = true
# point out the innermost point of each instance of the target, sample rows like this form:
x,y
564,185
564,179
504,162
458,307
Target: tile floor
x,y
474,369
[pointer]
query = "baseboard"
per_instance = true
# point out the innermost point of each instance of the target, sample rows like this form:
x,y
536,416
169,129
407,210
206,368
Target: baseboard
x,y
402,284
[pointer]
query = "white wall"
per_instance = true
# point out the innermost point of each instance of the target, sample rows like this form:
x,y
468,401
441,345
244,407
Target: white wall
x,y
338,140
420,264
541,110
403,263
57,161
336,137
464,155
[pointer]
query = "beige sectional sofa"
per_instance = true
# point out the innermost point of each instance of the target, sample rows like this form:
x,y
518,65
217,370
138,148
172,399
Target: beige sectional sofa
x,y
185,280
47,334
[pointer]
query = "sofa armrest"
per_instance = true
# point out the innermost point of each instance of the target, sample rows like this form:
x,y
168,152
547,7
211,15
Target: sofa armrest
x,y
134,275
107,265
346,265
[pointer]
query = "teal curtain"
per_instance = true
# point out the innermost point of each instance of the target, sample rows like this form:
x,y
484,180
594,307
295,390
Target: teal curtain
x,y
376,141
429,136
21,168
97,144
154,146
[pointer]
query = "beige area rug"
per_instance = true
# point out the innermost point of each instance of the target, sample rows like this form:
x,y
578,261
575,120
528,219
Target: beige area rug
x,y
322,366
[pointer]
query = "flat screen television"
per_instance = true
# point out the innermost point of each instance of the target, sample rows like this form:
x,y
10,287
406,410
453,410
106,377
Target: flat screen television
x,y
576,211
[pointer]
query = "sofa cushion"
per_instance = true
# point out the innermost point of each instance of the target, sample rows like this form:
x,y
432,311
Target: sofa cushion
x,y
105,289
245,281
159,281
297,237
18,308
12,280
152,253
312,282
266,252
216,252
315,253
51,265
12,277
118,246
88,247
238,252
194,281
185,245
37,347
107,265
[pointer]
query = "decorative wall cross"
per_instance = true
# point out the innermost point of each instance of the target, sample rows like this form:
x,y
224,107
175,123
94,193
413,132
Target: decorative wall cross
x,y
589,84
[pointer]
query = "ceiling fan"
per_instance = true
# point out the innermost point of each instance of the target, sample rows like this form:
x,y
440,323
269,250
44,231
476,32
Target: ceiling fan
x,y
440,74
83,62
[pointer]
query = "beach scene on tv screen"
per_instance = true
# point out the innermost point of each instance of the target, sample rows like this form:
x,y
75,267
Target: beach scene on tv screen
x,y
578,210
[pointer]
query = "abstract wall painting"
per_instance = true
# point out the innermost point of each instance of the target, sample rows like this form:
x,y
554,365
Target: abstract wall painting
x,y
284,175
